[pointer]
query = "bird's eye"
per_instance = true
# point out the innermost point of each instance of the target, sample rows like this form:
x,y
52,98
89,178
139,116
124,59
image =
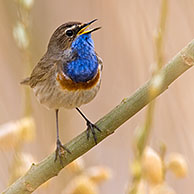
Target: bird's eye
x,y
69,33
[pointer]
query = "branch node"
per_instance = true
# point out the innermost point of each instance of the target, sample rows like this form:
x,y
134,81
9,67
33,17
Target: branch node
x,y
29,187
188,60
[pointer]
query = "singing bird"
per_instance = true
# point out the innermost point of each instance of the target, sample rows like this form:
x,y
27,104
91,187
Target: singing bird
x,y
69,74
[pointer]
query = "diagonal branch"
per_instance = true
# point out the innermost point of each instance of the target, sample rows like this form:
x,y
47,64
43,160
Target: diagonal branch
x,y
46,169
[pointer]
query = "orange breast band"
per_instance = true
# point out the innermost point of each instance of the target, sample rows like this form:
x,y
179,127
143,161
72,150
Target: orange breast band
x,y
72,86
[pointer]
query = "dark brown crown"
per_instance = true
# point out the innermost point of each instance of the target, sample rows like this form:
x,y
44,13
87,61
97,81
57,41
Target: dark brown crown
x,y
60,40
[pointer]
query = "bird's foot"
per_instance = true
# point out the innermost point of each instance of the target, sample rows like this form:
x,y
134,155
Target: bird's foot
x,y
60,150
91,127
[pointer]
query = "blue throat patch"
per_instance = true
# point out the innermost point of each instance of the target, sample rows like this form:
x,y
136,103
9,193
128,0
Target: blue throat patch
x,y
85,66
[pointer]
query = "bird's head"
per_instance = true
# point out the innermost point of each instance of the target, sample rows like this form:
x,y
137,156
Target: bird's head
x,y
64,35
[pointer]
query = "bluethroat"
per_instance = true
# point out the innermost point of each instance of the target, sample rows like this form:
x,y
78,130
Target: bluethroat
x,y
69,73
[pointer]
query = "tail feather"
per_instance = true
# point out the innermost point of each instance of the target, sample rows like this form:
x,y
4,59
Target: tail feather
x,y
25,81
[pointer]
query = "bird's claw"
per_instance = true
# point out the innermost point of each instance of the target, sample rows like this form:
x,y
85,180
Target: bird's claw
x,y
60,150
91,127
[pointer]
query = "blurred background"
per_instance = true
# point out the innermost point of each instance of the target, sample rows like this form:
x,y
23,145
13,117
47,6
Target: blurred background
x,y
126,45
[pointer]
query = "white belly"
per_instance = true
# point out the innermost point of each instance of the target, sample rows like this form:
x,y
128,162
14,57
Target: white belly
x,y
54,98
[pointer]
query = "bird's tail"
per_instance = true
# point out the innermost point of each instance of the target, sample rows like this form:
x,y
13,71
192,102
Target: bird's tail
x,y
25,81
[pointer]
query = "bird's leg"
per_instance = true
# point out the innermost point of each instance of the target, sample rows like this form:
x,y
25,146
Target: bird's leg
x,y
90,126
60,148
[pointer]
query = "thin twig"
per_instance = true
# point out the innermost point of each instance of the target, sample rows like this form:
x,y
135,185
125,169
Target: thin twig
x,y
141,140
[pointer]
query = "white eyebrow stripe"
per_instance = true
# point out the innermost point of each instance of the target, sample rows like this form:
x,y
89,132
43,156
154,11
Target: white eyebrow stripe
x,y
71,28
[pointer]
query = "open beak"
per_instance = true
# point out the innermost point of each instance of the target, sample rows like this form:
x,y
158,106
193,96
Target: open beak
x,y
83,28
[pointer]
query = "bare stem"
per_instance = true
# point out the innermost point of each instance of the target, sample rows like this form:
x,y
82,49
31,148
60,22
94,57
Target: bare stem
x,y
46,169
145,131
